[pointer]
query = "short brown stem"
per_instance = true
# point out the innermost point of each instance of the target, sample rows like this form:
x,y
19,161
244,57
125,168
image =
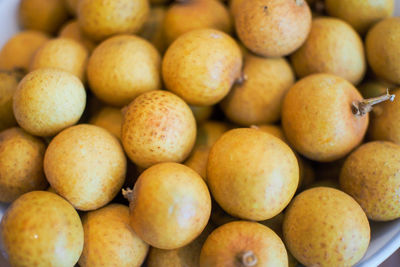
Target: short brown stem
x,y
128,194
254,127
242,78
247,258
360,108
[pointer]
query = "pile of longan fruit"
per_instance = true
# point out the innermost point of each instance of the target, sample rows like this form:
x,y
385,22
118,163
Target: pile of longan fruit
x,y
240,133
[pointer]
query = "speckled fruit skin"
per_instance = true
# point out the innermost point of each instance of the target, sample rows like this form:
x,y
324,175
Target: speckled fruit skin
x,y
326,227
225,243
256,26
371,175
317,117
17,54
260,170
100,19
201,66
42,15
8,85
63,54
207,134
385,37
368,12
48,100
333,46
21,164
72,31
86,165
158,127
170,206
183,17
109,240
258,99
110,119
123,67
385,121
42,229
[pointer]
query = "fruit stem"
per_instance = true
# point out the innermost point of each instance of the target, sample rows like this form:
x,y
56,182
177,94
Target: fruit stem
x,y
360,108
128,194
242,78
248,258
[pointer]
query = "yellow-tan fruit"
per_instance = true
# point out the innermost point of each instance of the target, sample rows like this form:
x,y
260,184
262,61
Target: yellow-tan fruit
x,y
318,120
201,66
109,240
100,19
169,206
72,31
63,54
207,134
258,98
242,243
152,29
333,47
260,170
234,7
86,165
123,67
275,130
8,85
72,6
42,229
19,50
371,175
42,15
158,127
202,113
367,12
183,17
110,119
48,100
326,227
21,164
382,48
256,26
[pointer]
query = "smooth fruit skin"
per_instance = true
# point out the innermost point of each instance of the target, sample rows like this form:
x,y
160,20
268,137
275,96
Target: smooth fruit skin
x,y
110,119
109,240
326,227
201,66
48,100
100,19
258,99
385,121
16,54
227,242
63,54
317,117
260,170
8,85
371,175
256,26
72,31
86,165
21,164
333,46
42,229
123,67
183,17
170,206
158,127
368,12
382,47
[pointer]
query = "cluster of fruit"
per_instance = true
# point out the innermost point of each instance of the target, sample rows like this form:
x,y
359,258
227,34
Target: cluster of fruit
x,y
210,176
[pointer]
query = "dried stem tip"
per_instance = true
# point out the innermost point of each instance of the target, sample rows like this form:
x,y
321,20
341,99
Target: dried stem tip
x,y
360,108
248,258
128,194
242,78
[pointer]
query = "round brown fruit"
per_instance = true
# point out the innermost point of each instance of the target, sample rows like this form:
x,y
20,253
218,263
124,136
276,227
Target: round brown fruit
x,y
169,206
109,240
245,244
110,119
42,229
72,31
158,127
201,66
256,26
123,67
86,165
21,164
318,119
258,169
8,85
326,227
